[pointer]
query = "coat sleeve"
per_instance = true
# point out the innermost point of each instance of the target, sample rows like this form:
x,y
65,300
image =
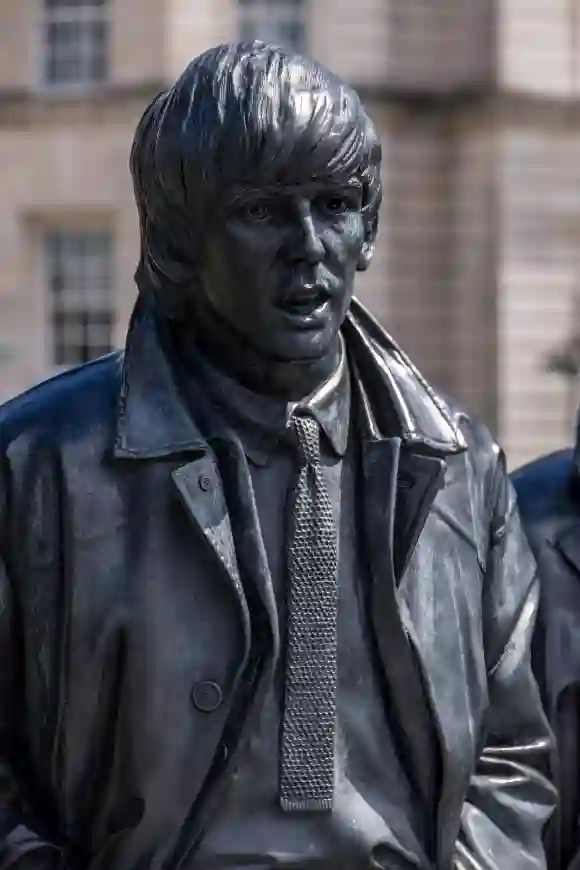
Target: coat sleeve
x,y
510,798
22,846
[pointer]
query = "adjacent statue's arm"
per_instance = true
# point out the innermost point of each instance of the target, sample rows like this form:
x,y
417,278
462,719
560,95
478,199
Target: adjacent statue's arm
x,y
510,797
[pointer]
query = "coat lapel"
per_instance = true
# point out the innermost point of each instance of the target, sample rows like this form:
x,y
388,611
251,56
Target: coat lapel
x,y
240,549
248,537
398,492
419,480
200,488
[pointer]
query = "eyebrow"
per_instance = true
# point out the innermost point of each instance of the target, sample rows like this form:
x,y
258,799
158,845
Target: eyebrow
x,y
246,193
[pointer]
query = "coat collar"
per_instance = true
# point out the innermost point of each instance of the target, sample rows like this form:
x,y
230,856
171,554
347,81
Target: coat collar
x,y
153,417
416,413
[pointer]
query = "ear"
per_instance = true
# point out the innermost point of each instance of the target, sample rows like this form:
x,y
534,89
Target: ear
x,y
368,248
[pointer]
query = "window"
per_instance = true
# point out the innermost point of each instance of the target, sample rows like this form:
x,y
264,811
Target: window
x,y
74,40
280,22
81,303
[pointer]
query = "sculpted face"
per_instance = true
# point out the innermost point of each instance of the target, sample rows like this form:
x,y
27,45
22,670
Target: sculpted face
x,y
280,261
257,178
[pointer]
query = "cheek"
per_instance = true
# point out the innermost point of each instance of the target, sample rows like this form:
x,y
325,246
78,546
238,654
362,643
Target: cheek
x,y
248,244
226,265
246,260
235,286
357,233
348,242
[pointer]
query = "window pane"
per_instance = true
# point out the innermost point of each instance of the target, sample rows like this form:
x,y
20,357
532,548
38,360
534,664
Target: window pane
x,y
96,47
63,51
79,266
75,43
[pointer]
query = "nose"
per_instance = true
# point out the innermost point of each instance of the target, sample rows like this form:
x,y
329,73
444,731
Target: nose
x,y
307,244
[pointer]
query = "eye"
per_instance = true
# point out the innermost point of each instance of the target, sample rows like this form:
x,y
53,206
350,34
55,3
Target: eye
x,y
336,203
258,210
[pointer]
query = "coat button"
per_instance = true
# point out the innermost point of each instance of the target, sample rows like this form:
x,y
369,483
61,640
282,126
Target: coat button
x,y
205,483
207,696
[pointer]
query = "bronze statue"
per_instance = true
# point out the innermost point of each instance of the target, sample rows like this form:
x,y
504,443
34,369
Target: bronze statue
x,y
548,492
266,601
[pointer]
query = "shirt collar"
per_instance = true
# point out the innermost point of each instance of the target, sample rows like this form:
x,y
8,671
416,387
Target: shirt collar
x,y
260,422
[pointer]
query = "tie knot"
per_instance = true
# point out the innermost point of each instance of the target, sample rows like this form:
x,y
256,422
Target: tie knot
x,y
308,439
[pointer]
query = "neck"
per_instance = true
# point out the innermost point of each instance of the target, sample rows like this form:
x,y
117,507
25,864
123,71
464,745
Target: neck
x,y
229,352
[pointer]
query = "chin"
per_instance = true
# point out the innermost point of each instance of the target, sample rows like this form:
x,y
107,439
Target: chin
x,y
304,349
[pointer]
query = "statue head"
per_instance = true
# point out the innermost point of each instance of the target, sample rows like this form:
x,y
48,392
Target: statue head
x,y
257,179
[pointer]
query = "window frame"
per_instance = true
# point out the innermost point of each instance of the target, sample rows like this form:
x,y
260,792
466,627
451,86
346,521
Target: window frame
x,y
83,14
70,308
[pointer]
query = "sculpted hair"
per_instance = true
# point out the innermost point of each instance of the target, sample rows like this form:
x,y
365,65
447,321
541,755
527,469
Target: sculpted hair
x,y
240,116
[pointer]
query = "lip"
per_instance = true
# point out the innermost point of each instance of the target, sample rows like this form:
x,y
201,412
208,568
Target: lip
x,y
306,306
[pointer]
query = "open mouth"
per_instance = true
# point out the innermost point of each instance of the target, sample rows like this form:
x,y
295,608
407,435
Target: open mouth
x,y
303,304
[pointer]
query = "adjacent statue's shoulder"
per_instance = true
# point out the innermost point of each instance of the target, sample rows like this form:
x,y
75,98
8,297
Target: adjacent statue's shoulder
x,y
548,491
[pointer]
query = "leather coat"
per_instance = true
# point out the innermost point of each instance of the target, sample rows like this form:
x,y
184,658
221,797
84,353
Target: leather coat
x,y
128,680
549,496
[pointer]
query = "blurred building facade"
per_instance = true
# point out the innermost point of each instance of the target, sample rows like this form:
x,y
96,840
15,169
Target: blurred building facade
x,y
478,106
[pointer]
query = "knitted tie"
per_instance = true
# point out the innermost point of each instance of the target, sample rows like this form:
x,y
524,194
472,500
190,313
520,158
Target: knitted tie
x,y
308,730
